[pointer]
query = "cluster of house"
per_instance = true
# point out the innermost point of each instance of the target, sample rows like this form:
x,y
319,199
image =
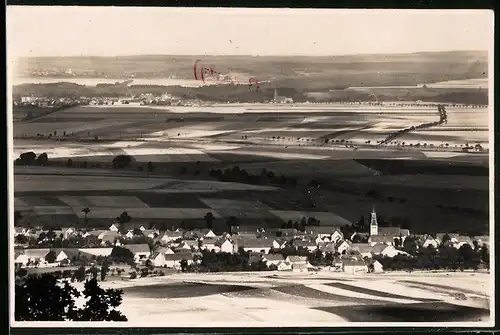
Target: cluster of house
x,y
173,246
45,102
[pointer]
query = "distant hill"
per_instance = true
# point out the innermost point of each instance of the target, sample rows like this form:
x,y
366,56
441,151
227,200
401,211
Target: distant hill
x,y
449,65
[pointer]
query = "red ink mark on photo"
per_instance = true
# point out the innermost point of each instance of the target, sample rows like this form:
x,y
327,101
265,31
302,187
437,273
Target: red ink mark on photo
x,y
195,70
216,76
255,82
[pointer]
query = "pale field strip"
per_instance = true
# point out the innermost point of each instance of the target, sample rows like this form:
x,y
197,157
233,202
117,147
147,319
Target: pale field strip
x,y
294,129
134,184
395,287
234,204
442,137
188,132
338,166
53,210
47,170
192,312
165,191
63,183
437,154
431,181
472,284
69,127
218,186
76,202
347,293
117,201
279,155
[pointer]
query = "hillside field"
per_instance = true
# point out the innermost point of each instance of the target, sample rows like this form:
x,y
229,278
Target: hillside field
x,y
302,299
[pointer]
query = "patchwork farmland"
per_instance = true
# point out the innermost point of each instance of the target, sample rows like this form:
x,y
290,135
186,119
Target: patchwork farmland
x,y
353,123
288,141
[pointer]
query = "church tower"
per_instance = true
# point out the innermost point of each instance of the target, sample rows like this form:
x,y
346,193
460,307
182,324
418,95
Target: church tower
x,y
373,223
275,95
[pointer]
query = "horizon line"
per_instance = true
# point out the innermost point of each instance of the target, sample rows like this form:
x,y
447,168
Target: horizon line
x,y
254,55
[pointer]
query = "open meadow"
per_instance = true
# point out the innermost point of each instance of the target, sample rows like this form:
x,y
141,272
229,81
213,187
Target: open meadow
x,y
295,299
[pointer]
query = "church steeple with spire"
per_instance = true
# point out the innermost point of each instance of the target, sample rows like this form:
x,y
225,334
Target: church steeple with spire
x,y
373,223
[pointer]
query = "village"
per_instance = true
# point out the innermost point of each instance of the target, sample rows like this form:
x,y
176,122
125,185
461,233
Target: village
x,y
314,248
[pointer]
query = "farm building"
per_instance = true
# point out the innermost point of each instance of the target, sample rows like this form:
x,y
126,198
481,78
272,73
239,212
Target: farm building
x,y
462,240
104,252
429,241
309,245
384,239
284,266
298,263
199,233
209,244
271,259
377,267
354,266
343,246
225,245
169,235
254,244
364,249
171,260
32,256
66,254
332,233
141,251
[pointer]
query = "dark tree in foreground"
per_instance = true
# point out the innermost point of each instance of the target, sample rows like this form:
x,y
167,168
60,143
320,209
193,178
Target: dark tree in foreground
x,y
40,298
101,305
104,269
79,274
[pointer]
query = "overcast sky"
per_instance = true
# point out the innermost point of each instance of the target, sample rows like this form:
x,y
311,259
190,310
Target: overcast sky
x,y
112,31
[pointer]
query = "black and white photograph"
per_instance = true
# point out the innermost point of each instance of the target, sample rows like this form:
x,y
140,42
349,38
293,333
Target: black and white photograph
x,y
233,167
